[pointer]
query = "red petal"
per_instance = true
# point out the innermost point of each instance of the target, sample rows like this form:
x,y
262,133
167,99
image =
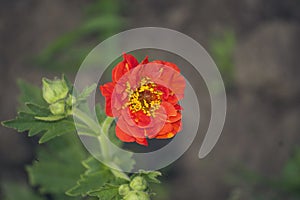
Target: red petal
x,y
177,126
141,119
107,90
173,119
131,60
169,64
164,90
169,132
169,108
124,66
167,128
172,99
178,107
145,61
124,136
142,141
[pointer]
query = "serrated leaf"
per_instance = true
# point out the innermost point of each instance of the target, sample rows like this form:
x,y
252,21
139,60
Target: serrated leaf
x,y
86,92
150,176
58,165
50,130
92,165
94,178
38,110
107,192
120,174
90,183
123,161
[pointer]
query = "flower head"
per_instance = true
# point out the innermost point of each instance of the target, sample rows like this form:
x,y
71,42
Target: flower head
x,y
144,97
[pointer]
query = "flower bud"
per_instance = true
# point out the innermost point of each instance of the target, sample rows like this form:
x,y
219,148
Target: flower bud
x,y
138,183
58,108
137,195
70,100
54,90
124,189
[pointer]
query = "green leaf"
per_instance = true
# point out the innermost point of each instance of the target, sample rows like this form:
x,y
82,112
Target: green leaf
x,y
17,191
100,113
150,176
107,192
38,110
30,93
120,174
51,118
92,165
90,183
68,82
95,177
58,165
86,92
43,113
28,122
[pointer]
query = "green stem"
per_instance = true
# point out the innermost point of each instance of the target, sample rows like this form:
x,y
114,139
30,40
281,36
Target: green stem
x,y
101,135
87,120
106,124
103,138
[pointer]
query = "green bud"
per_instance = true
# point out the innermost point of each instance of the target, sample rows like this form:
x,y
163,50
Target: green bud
x,y
137,195
57,108
139,183
70,100
124,189
54,90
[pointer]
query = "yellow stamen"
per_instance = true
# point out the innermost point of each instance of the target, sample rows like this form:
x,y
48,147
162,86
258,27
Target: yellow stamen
x,y
144,98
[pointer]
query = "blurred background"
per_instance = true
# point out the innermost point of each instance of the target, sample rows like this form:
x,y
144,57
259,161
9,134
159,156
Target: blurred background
x,y
255,44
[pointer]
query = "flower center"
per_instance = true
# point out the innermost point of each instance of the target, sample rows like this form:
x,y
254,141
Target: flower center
x,y
145,98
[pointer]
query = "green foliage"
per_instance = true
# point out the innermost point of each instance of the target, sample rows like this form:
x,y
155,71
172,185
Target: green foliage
x,y
95,177
33,106
58,170
37,119
86,92
107,192
30,93
286,185
150,176
221,49
111,132
102,19
100,181
58,165
290,180
26,121
17,191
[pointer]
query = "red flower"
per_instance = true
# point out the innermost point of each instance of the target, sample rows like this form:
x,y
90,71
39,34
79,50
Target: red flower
x,y
144,99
